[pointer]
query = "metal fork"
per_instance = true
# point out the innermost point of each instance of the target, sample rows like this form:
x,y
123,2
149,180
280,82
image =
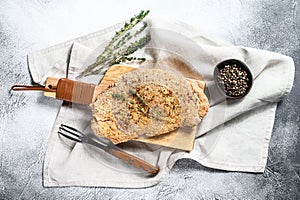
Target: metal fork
x,y
76,135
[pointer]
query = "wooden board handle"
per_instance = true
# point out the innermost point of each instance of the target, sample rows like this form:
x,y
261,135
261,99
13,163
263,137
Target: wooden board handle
x,y
75,91
134,161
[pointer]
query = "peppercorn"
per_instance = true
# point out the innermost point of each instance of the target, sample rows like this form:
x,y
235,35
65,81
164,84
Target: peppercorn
x,y
234,80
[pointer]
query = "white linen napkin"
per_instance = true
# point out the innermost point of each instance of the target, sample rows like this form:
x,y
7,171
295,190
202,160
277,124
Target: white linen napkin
x,y
234,135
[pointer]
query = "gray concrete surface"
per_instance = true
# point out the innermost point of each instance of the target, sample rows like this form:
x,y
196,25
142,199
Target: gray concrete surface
x,y
26,118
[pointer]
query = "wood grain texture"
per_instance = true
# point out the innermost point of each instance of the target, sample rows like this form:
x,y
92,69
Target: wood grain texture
x,y
134,161
75,91
50,83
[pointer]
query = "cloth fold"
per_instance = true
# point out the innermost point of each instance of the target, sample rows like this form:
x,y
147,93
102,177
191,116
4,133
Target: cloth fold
x,y
234,135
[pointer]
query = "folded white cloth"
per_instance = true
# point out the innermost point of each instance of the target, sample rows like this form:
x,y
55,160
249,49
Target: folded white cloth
x,y
233,136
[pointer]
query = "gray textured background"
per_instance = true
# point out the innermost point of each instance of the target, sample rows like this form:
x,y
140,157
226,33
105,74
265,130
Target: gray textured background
x,y
26,118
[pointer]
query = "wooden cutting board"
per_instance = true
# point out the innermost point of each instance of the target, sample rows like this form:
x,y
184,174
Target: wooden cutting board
x,y
74,91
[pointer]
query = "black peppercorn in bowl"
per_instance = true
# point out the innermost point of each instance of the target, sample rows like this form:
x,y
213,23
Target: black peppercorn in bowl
x,y
233,78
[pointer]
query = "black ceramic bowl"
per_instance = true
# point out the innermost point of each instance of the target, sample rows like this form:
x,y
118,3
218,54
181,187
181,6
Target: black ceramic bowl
x,y
233,78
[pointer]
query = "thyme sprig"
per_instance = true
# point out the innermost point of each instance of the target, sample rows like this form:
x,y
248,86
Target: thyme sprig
x,y
116,51
120,55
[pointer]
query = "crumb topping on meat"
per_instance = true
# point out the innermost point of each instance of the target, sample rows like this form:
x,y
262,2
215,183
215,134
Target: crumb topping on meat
x,y
157,104
146,103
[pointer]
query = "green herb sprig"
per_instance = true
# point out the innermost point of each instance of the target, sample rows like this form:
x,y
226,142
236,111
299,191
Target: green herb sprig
x,y
119,56
118,96
140,97
116,51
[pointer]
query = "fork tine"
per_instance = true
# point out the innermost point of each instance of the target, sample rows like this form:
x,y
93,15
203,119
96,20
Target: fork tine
x,y
71,128
64,128
69,137
69,131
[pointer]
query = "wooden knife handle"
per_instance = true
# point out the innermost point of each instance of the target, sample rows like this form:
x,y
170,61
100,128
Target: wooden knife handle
x,y
134,161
